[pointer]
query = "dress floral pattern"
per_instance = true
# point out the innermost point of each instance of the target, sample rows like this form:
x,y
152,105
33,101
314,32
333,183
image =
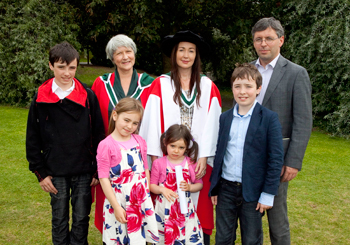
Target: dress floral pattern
x,y
173,226
129,182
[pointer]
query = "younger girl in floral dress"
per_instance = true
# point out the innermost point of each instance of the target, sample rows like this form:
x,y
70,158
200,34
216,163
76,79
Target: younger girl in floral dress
x,y
128,212
179,149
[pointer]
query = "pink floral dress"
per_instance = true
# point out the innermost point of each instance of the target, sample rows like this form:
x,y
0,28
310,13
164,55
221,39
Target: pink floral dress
x,y
173,226
129,182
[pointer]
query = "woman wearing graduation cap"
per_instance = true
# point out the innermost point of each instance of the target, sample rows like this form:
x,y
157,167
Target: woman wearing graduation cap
x,y
185,96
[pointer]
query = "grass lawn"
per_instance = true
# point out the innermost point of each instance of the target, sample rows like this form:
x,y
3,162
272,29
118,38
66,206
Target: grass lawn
x,y
87,74
318,198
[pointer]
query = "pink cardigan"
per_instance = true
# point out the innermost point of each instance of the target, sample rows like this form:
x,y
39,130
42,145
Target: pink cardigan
x,y
158,173
109,155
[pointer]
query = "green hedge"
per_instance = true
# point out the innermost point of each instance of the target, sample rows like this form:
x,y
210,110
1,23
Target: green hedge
x,y
318,35
28,29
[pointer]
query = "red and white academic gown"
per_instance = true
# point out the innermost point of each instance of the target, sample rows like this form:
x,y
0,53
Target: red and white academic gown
x,y
161,112
103,83
101,86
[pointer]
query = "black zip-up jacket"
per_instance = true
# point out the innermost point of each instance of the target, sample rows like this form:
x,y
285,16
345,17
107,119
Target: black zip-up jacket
x,y
63,135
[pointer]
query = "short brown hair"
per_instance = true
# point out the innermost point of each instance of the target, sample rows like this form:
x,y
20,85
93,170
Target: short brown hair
x,y
265,23
247,71
177,132
125,105
63,52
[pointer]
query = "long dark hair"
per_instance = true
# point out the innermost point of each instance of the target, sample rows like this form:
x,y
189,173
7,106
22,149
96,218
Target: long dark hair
x,y
177,132
195,76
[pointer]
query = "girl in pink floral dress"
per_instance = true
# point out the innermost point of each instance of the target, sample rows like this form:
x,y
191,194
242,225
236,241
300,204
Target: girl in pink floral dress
x,y
128,212
173,226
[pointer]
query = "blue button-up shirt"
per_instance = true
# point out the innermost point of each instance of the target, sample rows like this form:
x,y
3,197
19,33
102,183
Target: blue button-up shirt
x,y
233,159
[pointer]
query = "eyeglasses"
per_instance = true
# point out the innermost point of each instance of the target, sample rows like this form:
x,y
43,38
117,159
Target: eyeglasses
x,y
267,40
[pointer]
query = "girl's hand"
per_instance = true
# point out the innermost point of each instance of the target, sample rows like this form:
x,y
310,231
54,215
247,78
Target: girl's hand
x,y
201,167
185,186
168,194
120,214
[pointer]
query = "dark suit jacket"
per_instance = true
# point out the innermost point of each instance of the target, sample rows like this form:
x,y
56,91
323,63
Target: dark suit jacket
x,y
262,154
289,94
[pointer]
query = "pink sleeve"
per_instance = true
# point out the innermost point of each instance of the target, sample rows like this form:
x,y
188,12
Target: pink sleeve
x,y
143,146
158,173
155,172
192,167
107,157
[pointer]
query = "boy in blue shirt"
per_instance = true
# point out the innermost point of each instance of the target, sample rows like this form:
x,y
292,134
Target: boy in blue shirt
x,y
248,161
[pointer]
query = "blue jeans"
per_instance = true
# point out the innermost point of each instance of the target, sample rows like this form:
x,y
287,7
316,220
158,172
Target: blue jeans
x,y
77,188
231,207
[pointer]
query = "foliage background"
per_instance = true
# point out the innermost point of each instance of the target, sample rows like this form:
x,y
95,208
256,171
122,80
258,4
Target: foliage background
x,y
28,29
317,37
318,34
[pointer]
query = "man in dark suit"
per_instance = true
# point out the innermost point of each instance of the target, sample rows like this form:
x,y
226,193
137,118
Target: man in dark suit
x,y
248,161
286,90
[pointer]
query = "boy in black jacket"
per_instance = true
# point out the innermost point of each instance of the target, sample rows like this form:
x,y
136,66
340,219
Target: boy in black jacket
x,y
63,131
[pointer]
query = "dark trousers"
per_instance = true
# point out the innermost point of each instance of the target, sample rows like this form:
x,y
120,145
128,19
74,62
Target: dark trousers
x,y
77,188
278,217
230,208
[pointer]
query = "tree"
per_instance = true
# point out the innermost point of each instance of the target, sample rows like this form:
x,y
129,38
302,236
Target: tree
x,y
318,34
225,25
28,29
139,19
230,24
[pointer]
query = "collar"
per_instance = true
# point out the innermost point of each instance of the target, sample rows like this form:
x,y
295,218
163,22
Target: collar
x,y
55,87
118,89
188,102
272,63
144,80
46,95
250,112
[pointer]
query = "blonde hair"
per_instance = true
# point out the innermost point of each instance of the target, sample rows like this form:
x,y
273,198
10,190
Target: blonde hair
x,y
125,105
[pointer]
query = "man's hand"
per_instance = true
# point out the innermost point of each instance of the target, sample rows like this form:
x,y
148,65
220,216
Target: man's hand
x,y
288,173
94,182
47,186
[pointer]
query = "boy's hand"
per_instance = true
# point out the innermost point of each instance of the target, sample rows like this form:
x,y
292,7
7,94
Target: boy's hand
x,y
94,182
120,214
262,207
185,186
168,194
47,186
214,200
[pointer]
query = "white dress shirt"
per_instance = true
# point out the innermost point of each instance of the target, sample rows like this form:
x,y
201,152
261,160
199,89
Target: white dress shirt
x,y
266,74
59,92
